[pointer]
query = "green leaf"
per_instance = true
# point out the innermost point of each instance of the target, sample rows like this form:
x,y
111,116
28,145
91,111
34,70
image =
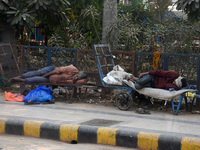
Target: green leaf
x,y
20,18
197,4
37,6
14,21
10,12
40,2
45,7
47,2
13,8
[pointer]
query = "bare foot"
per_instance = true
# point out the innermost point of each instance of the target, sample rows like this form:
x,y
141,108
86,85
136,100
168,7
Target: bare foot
x,y
16,79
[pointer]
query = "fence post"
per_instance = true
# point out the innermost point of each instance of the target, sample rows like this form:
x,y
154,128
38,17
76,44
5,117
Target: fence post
x,y
166,60
48,56
23,59
76,58
133,64
198,71
21,47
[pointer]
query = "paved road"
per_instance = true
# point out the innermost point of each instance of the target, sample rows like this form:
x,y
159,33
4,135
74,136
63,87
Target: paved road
x,y
13,142
185,124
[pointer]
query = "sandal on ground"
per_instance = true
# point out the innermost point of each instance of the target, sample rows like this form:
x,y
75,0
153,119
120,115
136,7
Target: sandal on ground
x,y
142,111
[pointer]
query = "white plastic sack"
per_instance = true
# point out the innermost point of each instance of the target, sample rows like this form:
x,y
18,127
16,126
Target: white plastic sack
x,y
116,76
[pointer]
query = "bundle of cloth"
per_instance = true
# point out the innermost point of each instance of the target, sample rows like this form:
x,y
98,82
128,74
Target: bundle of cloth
x,y
116,76
158,84
66,74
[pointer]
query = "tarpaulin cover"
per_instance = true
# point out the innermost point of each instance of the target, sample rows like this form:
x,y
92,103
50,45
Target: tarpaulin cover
x,y
14,97
39,94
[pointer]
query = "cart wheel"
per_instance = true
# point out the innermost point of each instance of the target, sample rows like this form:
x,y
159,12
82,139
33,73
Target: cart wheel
x,y
25,91
123,101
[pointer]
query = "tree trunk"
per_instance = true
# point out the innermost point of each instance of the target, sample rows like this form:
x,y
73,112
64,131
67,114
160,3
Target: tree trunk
x,y
109,14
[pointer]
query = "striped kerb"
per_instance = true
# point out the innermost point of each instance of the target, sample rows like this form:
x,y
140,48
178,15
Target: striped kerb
x,y
68,132
2,125
32,128
190,144
148,141
106,136
50,131
103,135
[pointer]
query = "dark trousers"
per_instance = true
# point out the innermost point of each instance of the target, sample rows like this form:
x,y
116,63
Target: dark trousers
x,y
145,81
38,72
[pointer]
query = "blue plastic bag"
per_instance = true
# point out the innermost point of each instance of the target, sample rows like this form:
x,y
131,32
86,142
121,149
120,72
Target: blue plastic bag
x,y
39,94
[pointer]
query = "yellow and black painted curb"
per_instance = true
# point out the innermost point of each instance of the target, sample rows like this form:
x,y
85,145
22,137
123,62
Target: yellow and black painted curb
x,y
99,135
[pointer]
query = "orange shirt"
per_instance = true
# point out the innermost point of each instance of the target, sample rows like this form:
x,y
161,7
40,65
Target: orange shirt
x,y
64,74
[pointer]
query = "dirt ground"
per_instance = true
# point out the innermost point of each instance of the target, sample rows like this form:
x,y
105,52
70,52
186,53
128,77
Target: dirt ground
x,y
93,96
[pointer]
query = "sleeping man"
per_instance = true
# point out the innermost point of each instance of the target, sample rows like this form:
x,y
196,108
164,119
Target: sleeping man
x,y
155,79
160,79
66,74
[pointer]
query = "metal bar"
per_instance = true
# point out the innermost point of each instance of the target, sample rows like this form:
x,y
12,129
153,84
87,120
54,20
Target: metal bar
x,y
2,72
122,52
23,59
166,59
57,48
111,54
101,56
21,47
135,65
75,58
184,55
108,65
48,56
15,59
198,71
104,58
98,65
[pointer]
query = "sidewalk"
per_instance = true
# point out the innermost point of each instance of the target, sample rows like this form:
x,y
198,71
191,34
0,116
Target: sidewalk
x,y
91,123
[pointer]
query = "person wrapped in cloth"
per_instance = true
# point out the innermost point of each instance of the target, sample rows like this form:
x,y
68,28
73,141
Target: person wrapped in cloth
x,y
159,79
155,78
66,74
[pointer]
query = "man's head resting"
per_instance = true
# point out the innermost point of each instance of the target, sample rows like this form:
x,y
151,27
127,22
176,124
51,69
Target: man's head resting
x,y
80,75
180,82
